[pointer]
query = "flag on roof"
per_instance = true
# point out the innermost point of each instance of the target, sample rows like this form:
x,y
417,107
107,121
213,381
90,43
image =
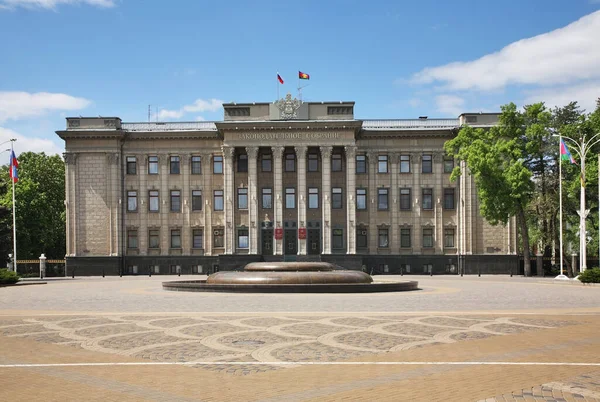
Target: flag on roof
x,y
279,78
303,76
565,155
14,164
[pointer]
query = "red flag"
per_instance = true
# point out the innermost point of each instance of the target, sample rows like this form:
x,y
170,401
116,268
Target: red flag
x,y
280,79
303,76
14,164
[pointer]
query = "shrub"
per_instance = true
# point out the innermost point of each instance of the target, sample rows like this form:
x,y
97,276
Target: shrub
x,y
590,276
8,277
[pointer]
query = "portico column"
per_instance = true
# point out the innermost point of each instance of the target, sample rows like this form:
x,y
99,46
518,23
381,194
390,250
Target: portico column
x,y
278,206
301,174
252,197
351,199
228,193
326,187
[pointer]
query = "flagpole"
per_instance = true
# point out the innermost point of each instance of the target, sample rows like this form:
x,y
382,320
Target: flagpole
x,y
278,83
14,207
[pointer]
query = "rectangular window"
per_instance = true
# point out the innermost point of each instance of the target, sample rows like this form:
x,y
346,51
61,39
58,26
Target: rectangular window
x,y
361,198
313,162
361,164
404,163
218,200
313,198
382,164
217,164
242,195
449,238
242,163
427,268
405,238
267,198
196,200
197,269
218,236
266,163
427,198
448,165
290,162
428,238
132,201
290,198
242,238
197,238
361,238
131,165
175,201
382,198
132,239
174,269
174,165
196,165
176,238
153,165
337,198
153,201
154,238
155,269
336,162
448,198
337,238
405,199
427,164
383,239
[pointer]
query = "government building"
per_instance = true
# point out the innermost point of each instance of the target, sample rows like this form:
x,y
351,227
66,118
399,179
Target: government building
x,y
281,181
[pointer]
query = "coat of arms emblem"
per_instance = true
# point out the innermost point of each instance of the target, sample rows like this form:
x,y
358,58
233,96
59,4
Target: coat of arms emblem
x,y
288,107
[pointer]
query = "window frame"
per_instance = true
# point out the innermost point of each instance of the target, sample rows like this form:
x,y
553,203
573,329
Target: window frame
x,y
381,192
218,234
132,196
154,236
358,195
132,237
405,238
448,165
380,160
428,234
197,233
449,195
405,199
196,200
217,162
218,195
427,194
313,157
242,195
174,164
362,161
131,165
313,193
449,234
264,158
404,163
153,164
268,194
290,192
242,163
383,233
241,234
337,164
153,195
359,234
337,198
291,158
337,234
175,200
427,160
196,164
175,234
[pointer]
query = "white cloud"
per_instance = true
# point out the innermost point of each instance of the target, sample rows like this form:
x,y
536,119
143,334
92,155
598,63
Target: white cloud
x,y
450,104
25,144
199,106
585,94
200,118
164,114
52,4
19,105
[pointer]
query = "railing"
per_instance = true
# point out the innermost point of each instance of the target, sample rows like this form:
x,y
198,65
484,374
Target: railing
x,y
410,124
172,126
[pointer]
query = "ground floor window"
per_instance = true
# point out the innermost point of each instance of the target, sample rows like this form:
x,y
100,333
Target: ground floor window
x,y
197,269
132,239
361,238
427,268
405,268
449,238
384,268
243,238
176,238
197,238
338,238
405,238
383,238
427,238
218,238
154,238
175,269
155,269
132,269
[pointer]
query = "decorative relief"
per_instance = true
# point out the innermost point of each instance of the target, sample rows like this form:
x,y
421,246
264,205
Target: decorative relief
x,y
326,152
185,159
74,123
277,152
350,152
252,152
163,159
228,152
394,158
288,107
70,158
415,157
301,152
372,157
438,157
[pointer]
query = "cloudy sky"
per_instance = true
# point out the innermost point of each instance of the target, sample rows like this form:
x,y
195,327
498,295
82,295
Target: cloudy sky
x,y
182,59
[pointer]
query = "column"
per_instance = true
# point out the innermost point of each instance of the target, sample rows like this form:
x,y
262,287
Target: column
x,y
252,198
417,231
394,204
326,188
142,170
165,198
228,194
186,235
71,202
438,169
207,194
278,200
350,199
372,201
301,174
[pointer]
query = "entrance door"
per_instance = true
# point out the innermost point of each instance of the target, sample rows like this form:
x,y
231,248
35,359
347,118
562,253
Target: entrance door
x,y
290,242
267,242
313,238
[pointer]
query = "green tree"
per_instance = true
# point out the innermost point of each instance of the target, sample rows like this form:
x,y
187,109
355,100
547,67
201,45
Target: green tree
x,y
40,213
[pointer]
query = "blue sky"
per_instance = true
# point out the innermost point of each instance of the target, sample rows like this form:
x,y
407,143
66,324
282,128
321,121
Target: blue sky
x,y
396,59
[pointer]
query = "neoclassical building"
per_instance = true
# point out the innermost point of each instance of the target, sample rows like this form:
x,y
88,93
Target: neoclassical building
x,y
287,180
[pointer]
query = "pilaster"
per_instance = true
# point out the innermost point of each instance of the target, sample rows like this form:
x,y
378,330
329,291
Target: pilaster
x,y
228,194
71,202
165,228
394,204
372,201
326,188
350,199
301,176
252,198
279,196
186,235
206,160
142,163
417,231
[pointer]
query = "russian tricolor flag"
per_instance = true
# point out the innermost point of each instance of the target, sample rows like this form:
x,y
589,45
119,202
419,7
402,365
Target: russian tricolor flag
x,y
14,164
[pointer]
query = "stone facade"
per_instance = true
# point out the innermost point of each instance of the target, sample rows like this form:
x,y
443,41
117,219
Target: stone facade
x,y
289,180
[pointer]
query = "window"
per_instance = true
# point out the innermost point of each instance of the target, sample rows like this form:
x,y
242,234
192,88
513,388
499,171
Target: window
x,y
426,164
336,162
132,201
337,199
153,203
448,165
428,238
175,201
217,164
197,269
174,165
361,238
405,199
290,198
383,239
427,198
449,238
382,198
242,163
382,164
155,269
153,165
361,198
242,198
132,239
427,268
154,238
218,200
267,198
290,162
313,198
131,165
405,238
174,269
338,238
313,162
448,198
196,165
197,238
176,238
404,163
196,200
361,164
242,238
266,163
218,235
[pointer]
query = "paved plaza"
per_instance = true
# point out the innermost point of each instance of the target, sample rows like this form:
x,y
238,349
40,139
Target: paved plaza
x,y
464,339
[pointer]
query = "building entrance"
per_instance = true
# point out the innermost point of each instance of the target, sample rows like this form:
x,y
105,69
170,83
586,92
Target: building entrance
x,y
266,239
313,238
290,238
